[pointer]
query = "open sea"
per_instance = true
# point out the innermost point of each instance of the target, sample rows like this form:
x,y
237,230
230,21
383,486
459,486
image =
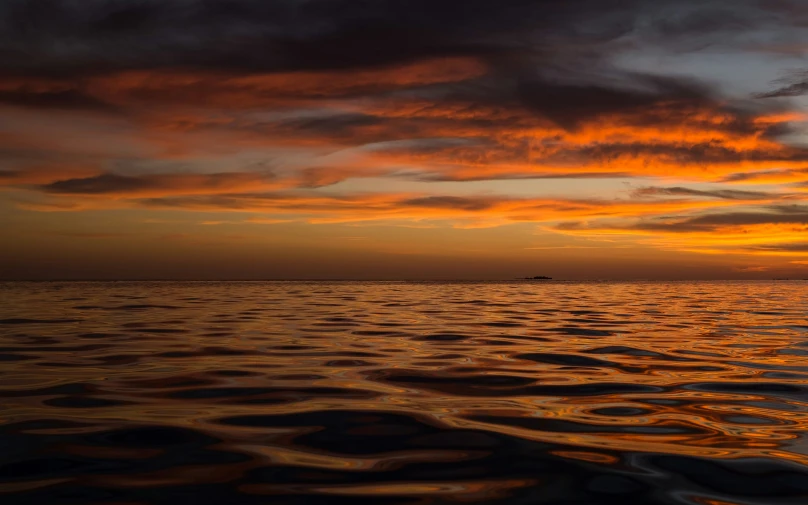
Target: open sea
x,y
315,393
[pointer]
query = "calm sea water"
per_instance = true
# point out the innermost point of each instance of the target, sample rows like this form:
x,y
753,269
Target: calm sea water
x,y
413,393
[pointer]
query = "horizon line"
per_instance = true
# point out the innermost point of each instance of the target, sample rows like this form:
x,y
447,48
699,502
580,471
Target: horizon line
x,y
404,280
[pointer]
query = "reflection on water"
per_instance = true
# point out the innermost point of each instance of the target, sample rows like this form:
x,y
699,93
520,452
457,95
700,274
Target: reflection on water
x,y
324,393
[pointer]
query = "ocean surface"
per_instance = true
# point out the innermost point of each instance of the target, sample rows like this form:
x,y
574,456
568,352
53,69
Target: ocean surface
x,y
414,393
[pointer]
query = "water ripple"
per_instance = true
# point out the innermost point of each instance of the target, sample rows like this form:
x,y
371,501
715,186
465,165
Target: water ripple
x,y
412,393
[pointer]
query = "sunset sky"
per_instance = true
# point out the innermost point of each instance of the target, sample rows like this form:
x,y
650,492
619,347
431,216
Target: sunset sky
x,y
403,139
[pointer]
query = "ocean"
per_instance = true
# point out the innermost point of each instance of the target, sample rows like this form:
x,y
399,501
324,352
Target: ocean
x,y
524,392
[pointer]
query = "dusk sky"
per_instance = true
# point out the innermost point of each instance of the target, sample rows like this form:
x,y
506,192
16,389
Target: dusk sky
x,y
408,139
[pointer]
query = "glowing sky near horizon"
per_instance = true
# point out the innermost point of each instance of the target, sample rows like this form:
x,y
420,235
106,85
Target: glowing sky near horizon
x,y
404,139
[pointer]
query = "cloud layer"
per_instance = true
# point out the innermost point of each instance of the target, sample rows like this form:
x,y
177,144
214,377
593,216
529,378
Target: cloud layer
x,y
320,110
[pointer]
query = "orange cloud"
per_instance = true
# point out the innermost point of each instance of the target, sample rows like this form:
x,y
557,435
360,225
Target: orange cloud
x,y
212,89
442,135
311,206
187,115
190,132
776,231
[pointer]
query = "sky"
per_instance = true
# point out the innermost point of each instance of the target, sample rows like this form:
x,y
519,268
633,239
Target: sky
x,y
403,139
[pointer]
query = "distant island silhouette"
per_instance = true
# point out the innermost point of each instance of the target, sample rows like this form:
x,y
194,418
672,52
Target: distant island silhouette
x,y
538,278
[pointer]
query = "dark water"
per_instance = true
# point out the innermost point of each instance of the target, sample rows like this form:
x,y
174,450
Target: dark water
x,y
415,393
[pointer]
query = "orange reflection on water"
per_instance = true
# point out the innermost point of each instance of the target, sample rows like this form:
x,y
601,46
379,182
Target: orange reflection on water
x,y
405,389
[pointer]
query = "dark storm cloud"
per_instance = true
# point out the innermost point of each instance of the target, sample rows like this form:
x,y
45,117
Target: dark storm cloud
x,y
795,84
53,99
567,104
546,56
521,69
796,89
68,36
72,36
571,96
711,17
